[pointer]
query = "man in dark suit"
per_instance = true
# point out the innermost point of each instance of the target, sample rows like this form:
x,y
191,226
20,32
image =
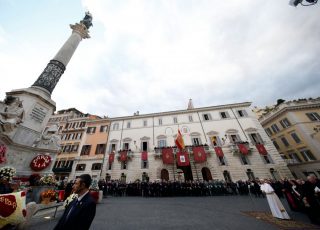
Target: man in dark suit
x,y
81,211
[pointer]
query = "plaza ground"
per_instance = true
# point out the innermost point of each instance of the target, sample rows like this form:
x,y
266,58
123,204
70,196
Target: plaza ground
x,y
217,212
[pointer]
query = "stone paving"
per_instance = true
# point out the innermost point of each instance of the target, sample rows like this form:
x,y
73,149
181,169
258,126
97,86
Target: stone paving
x,y
218,212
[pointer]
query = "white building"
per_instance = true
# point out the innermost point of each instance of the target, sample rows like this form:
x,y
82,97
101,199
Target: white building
x,y
224,126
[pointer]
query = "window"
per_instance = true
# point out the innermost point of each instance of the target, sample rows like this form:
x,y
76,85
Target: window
x,y
75,148
162,143
81,167
175,120
215,141
91,130
275,128
276,144
206,117
242,113
190,118
144,164
234,138
313,116
144,146
227,176
222,160
82,124
125,146
160,121
255,138
244,160
307,155
268,131
113,147
103,128
267,159
85,150
96,166
274,174
123,165
224,115
285,142
285,123
196,141
295,138
128,125
295,157
101,148
145,123
115,126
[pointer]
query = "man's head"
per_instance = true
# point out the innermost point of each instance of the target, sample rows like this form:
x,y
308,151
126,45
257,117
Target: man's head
x,y
82,184
312,178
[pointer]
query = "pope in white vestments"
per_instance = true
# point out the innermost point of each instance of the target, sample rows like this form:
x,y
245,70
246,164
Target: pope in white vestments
x,y
275,204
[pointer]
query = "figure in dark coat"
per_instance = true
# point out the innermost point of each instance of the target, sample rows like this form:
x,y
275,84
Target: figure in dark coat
x,y
81,211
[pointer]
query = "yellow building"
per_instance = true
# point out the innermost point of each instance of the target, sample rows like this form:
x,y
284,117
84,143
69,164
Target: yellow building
x,y
294,127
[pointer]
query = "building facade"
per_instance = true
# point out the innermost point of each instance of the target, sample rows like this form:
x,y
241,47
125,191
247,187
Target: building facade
x,y
224,142
294,127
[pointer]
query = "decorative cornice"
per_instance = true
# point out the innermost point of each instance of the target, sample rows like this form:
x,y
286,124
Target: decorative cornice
x,y
80,29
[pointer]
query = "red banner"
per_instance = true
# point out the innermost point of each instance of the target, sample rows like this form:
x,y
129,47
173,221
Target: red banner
x,y
243,149
219,151
261,149
111,157
167,156
144,156
199,154
182,159
123,156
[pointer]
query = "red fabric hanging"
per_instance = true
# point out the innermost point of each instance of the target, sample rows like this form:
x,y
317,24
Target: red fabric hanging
x,y
167,156
123,156
144,156
179,141
243,149
111,157
183,159
219,151
261,149
199,154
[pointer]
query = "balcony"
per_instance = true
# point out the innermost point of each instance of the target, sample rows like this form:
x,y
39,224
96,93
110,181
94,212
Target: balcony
x,y
63,169
291,161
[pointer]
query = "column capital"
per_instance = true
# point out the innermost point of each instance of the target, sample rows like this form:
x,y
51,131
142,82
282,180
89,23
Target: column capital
x,y
81,29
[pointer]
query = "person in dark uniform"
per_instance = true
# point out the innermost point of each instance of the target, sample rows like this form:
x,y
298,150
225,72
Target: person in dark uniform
x,y
82,210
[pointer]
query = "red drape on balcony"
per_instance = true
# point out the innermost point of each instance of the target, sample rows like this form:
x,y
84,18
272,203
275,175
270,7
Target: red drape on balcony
x,y
144,156
167,156
243,149
123,156
111,157
219,151
183,159
261,149
199,154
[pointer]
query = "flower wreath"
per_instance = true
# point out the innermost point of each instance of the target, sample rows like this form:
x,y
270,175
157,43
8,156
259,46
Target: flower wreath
x,y
40,162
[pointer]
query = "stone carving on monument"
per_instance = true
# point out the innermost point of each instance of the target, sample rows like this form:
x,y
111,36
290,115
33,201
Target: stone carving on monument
x,y
49,139
11,114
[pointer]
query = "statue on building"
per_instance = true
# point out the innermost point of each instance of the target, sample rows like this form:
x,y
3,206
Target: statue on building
x,y
87,20
49,139
11,114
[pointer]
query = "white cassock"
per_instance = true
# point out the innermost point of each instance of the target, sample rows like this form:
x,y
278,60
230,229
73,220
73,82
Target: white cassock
x,y
275,204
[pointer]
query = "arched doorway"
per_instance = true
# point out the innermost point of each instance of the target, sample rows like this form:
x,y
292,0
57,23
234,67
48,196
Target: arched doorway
x,y
206,174
227,176
164,175
145,177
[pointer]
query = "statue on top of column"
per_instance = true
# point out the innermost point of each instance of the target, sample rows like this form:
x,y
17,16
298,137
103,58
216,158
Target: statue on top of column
x,y
87,20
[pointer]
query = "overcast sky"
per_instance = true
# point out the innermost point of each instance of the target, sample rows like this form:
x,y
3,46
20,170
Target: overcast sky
x,y
153,55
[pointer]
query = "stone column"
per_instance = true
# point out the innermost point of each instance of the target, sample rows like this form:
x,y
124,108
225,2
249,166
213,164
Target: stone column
x,y
56,67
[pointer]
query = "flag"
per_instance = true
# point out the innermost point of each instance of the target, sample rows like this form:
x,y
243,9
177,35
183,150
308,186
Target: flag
x,y
123,155
243,149
144,156
199,154
111,157
183,159
179,141
261,149
219,151
167,156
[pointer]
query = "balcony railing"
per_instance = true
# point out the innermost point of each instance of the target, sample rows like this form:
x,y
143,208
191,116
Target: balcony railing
x,y
291,161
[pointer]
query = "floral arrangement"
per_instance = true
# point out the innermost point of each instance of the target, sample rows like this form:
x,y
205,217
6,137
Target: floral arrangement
x,y
7,173
70,199
47,180
48,194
